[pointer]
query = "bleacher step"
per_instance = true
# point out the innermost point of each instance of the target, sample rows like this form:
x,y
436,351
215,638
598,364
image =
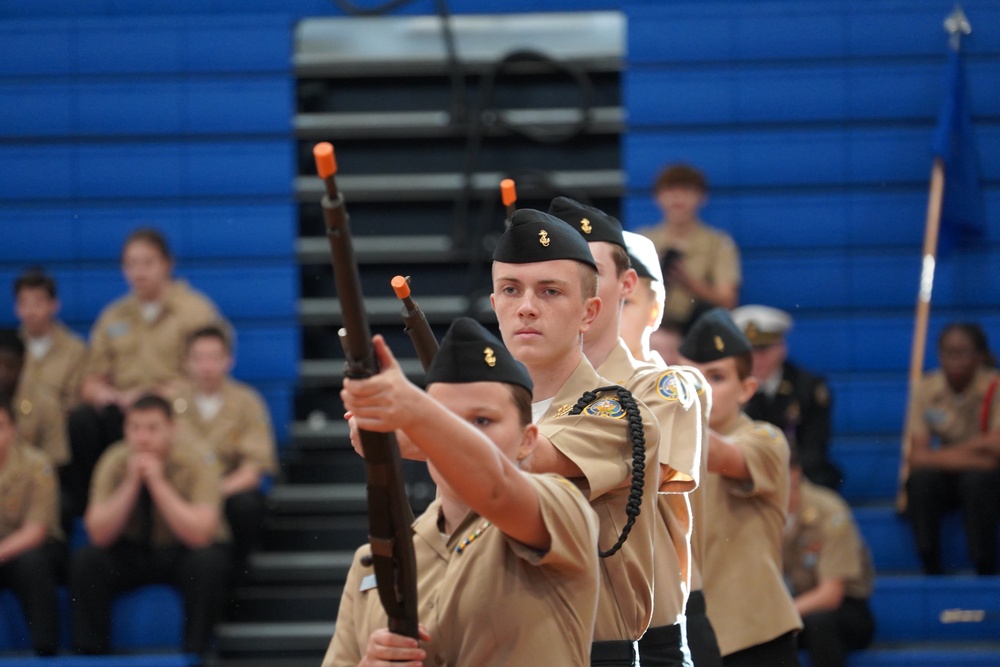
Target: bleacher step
x,y
384,249
892,545
283,604
270,638
316,567
952,608
444,186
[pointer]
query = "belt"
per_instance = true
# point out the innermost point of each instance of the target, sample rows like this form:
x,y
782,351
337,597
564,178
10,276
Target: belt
x,y
617,650
695,604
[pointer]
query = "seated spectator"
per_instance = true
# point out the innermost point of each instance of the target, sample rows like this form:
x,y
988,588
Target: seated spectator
x,y
40,421
701,264
829,572
642,311
153,517
136,347
55,354
32,549
789,397
231,420
958,406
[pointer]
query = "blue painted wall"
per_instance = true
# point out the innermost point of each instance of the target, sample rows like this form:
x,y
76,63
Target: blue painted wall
x,y
812,119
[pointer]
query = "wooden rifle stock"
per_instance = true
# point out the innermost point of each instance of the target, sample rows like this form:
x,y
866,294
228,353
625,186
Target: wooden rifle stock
x,y
416,325
389,514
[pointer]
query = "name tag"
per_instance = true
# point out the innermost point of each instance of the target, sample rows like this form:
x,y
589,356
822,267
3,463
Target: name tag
x,y
367,583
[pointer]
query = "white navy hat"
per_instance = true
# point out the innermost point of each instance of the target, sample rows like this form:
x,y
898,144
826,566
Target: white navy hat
x,y
762,325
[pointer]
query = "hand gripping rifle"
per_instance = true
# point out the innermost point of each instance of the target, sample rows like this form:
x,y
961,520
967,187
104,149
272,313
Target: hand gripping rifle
x,y
416,325
389,514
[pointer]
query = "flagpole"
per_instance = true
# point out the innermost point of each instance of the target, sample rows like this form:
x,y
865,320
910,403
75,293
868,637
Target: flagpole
x,y
956,25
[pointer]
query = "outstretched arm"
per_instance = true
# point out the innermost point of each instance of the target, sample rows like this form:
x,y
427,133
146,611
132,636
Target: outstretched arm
x,y
479,473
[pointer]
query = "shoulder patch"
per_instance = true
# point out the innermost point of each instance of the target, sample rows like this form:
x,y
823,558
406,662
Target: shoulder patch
x,y
117,329
606,407
765,429
672,387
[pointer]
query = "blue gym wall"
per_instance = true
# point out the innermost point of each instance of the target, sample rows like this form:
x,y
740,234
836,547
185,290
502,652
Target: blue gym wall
x,y
812,120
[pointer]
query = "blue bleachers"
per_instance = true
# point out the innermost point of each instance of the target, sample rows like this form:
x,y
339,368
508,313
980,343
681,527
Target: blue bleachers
x,y
149,617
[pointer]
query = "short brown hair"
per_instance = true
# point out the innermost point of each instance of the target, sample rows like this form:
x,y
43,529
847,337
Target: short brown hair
x,y
621,259
150,402
744,365
588,281
35,278
522,401
680,176
151,236
210,331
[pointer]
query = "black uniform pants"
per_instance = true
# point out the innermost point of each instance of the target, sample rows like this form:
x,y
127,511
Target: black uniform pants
x,y
933,492
662,647
90,432
32,577
779,652
830,635
700,634
244,512
97,575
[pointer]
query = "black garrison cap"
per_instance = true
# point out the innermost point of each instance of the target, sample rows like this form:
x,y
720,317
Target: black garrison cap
x,y
714,336
470,353
534,236
593,223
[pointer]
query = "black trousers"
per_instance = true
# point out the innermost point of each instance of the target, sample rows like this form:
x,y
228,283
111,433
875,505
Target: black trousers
x,y
618,653
97,575
33,577
662,647
244,512
778,652
932,492
830,635
700,634
90,432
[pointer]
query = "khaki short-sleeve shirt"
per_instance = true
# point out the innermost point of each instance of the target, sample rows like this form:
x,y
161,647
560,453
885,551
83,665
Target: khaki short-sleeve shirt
x,y
938,412
672,397
194,475
41,422
132,353
824,543
596,440
495,603
240,432
745,592
29,491
60,369
710,254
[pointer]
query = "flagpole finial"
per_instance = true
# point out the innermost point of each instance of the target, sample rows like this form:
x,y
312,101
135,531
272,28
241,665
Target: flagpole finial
x,y
956,25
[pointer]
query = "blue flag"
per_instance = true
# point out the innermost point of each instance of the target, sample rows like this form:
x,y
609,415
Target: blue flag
x,y
963,211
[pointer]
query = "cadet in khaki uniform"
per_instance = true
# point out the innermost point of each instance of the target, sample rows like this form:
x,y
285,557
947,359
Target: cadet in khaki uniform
x,y
829,572
704,268
506,561
39,420
136,346
544,295
672,397
640,317
55,355
153,517
959,407
746,500
230,420
32,549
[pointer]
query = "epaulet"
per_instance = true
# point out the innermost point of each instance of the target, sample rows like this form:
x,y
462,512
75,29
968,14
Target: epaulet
x,y
606,406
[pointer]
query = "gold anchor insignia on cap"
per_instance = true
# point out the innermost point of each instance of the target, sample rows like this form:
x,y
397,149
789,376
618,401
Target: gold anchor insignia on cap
x,y
543,238
719,345
26,407
751,330
489,357
585,226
